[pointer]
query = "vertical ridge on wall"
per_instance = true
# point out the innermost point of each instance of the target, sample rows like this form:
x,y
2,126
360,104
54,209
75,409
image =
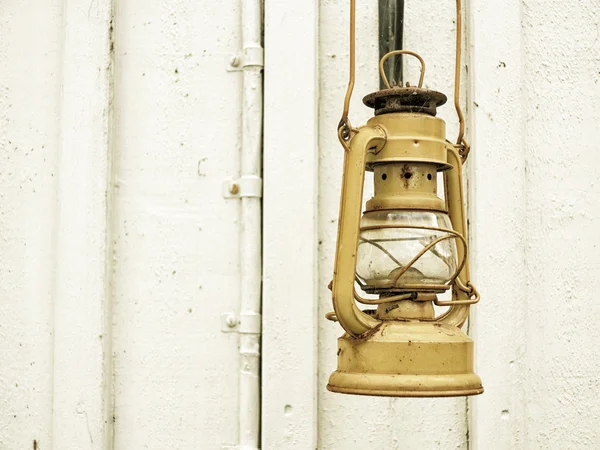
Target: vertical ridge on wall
x,y
290,213
561,88
82,300
177,136
30,54
468,172
499,234
110,249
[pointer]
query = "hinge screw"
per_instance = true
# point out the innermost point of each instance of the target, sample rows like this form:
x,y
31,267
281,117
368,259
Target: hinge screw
x,y
234,61
231,321
234,189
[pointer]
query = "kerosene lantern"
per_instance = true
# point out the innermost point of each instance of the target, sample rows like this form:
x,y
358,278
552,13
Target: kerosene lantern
x,y
408,248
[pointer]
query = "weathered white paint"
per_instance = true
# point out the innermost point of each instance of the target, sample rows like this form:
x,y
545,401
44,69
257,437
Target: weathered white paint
x,y
177,136
82,405
535,221
289,362
121,221
498,212
562,85
30,79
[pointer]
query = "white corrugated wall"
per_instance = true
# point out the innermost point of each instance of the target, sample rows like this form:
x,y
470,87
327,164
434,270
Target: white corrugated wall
x,y
119,254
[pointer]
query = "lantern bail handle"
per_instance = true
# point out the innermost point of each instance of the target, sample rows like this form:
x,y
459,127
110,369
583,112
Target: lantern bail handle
x,y
401,52
345,128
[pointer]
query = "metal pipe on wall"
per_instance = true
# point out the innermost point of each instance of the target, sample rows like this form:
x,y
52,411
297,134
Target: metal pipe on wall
x,y
391,30
251,227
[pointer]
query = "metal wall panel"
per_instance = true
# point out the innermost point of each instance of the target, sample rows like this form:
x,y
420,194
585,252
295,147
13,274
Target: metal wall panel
x,y
30,77
118,253
290,302
177,136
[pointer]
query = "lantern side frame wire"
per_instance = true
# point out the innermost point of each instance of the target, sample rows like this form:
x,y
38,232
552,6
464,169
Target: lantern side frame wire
x,y
464,293
358,323
356,144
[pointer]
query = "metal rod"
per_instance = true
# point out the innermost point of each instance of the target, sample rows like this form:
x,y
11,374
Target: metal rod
x,y
251,231
391,31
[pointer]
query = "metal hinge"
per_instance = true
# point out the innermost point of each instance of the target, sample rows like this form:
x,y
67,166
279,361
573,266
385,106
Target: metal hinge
x,y
250,57
247,186
242,323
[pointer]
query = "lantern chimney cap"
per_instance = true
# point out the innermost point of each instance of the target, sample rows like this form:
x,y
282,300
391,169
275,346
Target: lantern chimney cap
x,y
405,99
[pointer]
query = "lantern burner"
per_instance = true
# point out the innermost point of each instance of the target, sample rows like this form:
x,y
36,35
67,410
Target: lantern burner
x,y
405,99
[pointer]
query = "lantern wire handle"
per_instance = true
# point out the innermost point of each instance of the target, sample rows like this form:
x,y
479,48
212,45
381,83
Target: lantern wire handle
x,y
401,52
344,127
464,147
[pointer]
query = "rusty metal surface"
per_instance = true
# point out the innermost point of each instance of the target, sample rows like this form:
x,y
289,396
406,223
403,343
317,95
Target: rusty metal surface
x,y
406,359
405,99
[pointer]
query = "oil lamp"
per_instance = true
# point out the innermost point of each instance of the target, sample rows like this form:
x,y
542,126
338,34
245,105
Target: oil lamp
x,y
408,248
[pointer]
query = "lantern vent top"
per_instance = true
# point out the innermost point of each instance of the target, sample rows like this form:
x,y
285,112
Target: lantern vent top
x,y
405,99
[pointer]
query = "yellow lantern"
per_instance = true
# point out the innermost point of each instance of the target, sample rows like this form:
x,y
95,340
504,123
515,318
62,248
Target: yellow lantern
x,y
409,247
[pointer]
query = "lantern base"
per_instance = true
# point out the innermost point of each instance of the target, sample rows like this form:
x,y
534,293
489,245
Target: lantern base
x,y
407,359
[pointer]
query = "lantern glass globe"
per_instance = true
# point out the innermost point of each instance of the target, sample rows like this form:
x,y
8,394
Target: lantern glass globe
x,y
390,239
